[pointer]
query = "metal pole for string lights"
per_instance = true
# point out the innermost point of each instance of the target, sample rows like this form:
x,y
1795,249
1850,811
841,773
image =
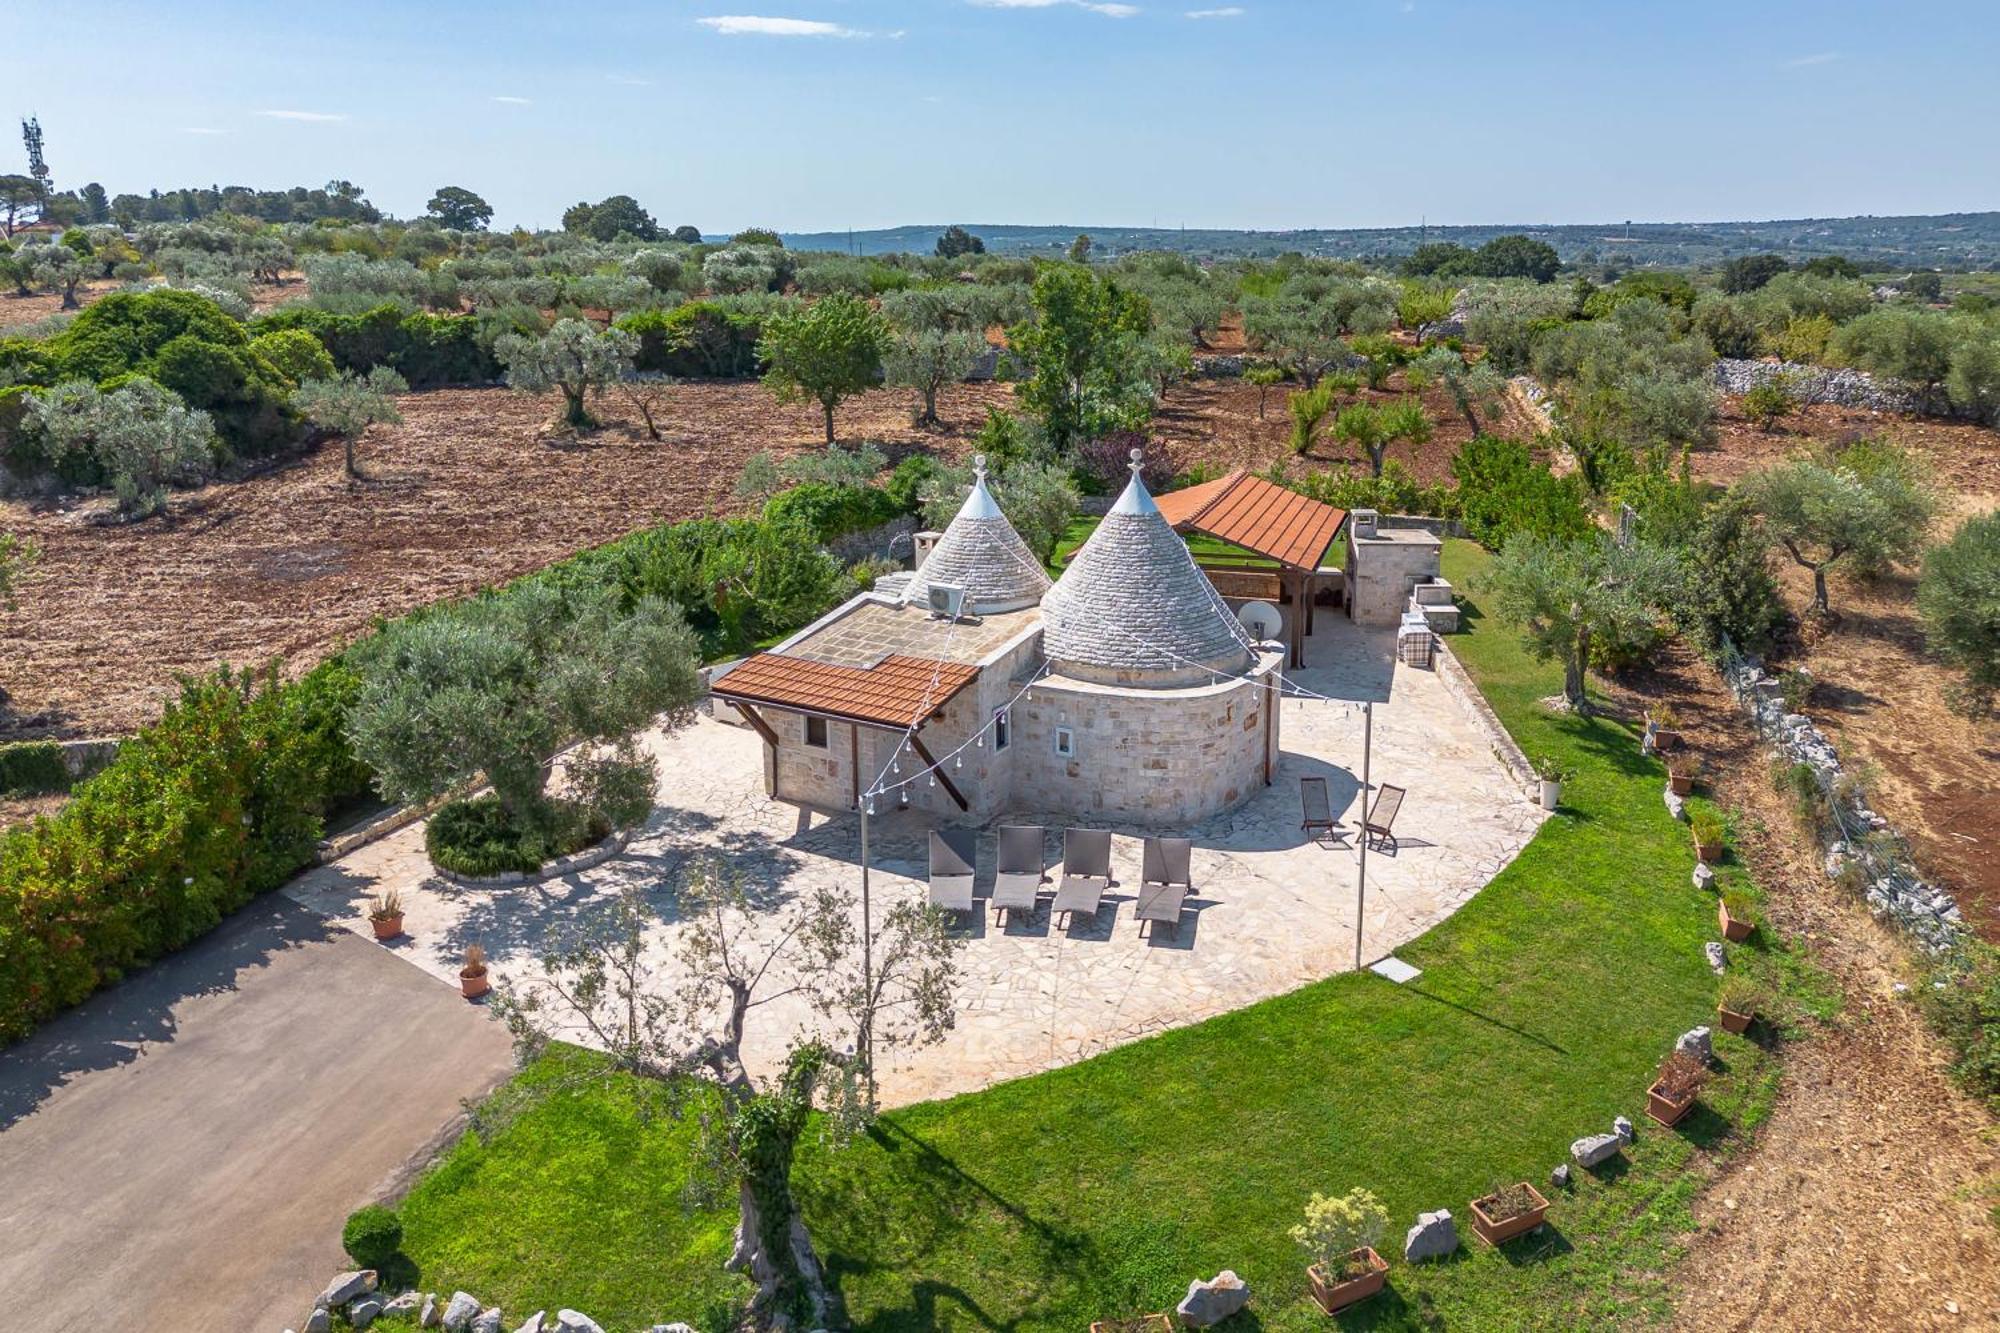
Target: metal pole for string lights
x,y
867,947
1361,885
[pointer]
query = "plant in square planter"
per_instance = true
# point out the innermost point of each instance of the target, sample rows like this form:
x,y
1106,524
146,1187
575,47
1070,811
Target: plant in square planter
x,y
1738,1001
1660,737
1339,1236
1707,829
1683,771
1737,916
1679,1080
1145,1323
385,914
1507,1211
1552,775
472,982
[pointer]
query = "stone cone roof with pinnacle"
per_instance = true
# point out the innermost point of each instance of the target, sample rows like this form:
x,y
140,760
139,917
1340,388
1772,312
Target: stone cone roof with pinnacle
x,y
981,553
1133,607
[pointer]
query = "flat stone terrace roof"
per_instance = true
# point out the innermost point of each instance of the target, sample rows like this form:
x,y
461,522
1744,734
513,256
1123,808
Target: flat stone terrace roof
x,y
869,631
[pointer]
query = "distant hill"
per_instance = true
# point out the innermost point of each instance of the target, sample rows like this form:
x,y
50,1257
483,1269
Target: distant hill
x,y
1948,240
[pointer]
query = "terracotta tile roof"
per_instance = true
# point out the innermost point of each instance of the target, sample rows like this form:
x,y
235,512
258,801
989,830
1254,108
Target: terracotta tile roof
x,y
1259,516
898,691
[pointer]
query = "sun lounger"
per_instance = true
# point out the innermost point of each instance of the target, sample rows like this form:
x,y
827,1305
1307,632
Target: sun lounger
x,y
1316,810
1086,872
1164,885
1382,819
954,858
1017,883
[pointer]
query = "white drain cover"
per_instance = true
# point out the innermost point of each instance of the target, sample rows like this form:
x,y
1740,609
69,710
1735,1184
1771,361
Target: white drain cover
x,y
1396,970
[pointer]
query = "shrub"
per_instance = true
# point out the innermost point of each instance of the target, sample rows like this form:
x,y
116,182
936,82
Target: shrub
x,y
1706,826
829,511
372,1237
1681,1076
218,801
1503,491
294,354
1740,907
32,768
1335,1228
138,436
1959,598
479,838
701,339
1963,1004
1740,994
905,485
1768,403
1107,460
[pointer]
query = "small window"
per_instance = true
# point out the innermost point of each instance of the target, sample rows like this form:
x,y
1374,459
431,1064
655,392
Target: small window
x,y
816,732
1065,742
1000,731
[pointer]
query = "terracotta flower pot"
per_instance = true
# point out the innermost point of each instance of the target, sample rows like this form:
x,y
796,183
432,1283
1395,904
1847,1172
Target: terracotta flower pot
x,y
1733,1021
1665,741
473,984
1499,1231
1333,1297
1708,853
1680,784
387,927
1732,929
1665,1110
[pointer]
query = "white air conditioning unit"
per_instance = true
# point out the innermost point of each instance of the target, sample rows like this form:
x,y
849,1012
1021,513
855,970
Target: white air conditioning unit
x,y
947,600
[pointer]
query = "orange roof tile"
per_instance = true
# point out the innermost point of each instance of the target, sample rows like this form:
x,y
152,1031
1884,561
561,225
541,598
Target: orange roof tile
x,y
1257,515
898,691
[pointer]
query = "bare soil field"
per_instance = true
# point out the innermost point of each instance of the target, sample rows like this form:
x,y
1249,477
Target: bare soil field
x,y
1863,1202
16,311
1935,774
473,489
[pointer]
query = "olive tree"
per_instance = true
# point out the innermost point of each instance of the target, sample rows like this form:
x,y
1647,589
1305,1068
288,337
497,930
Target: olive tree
x,y
1083,344
1866,504
347,404
58,267
1959,598
1475,388
830,350
17,556
489,690
574,356
1039,500
671,1020
141,436
928,359
1567,595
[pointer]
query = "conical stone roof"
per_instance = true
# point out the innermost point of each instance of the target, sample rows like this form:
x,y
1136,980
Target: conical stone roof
x,y
981,553
1133,608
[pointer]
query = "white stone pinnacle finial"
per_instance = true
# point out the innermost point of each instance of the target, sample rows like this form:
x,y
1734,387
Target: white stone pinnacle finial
x,y
1138,461
979,466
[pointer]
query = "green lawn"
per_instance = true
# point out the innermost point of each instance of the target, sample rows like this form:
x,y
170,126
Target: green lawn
x,y
1103,1188
1206,548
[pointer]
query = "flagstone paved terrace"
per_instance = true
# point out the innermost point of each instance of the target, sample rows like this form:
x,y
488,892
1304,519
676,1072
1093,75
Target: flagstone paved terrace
x,y
1271,910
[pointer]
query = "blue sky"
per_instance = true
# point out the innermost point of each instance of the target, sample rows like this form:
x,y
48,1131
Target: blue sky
x,y
823,114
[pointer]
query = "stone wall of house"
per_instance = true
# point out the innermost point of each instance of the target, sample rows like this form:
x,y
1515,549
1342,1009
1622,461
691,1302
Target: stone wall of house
x,y
1380,575
1167,758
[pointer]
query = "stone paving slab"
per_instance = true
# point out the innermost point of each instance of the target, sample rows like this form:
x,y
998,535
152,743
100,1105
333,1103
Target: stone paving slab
x,y
1271,911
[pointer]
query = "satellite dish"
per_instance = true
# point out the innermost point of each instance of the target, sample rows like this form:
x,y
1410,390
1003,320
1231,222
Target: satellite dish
x,y
1263,621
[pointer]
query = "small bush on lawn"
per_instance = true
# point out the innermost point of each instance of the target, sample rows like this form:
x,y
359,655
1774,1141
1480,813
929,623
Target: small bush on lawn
x,y
478,838
1963,1001
372,1237
906,484
832,511
32,768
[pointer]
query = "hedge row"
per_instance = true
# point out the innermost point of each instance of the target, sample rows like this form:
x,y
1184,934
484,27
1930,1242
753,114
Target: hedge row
x,y
426,350
32,768
699,340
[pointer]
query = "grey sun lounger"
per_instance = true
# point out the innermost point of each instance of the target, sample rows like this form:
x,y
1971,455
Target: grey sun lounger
x,y
1316,811
1086,872
1165,884
954,858
1383,818
1017,881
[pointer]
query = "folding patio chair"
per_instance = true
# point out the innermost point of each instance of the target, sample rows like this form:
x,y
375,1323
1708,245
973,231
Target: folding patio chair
x,y
1086,872
954,861
1388,800
1017,883
1164,885
1316,810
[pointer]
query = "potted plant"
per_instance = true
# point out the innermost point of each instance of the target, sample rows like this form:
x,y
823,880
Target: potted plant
x,y
1707,828
1660,734
1507,1211
1672,1095
1553,775
1737,1003
472,977
1339,1236
386,915
1682,771
1736,914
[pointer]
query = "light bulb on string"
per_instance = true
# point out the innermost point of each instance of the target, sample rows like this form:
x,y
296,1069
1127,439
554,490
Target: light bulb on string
x,y
871,805
903,797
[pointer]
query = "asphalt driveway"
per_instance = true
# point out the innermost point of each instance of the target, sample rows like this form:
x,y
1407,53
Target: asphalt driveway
x,y
181,1150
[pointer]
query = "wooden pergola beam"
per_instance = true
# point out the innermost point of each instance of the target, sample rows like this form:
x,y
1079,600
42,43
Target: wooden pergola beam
x,y
917,744
751,716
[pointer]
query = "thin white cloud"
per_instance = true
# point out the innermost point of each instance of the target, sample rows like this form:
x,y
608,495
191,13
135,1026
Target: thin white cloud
x,y
1816,58
1226,12
759,25
512,101
1110,11
200,129
628,81
317,117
